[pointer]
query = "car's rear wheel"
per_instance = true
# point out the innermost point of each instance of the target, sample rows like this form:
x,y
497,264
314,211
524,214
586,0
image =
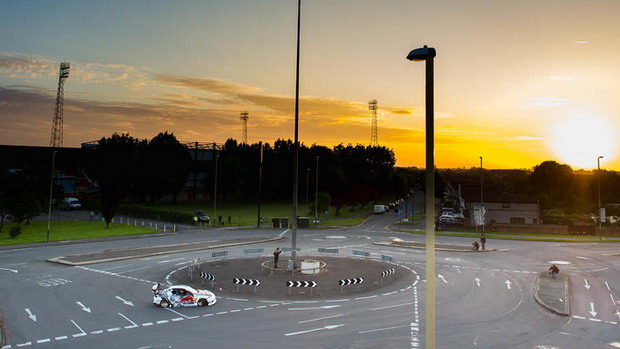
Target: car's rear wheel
x,y
203,302
164,303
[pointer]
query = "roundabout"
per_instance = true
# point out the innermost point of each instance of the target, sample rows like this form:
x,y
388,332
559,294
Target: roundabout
x,y
336,279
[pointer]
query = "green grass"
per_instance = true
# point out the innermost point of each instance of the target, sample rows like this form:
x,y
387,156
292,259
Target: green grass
x,y
245,214
68,230
521,236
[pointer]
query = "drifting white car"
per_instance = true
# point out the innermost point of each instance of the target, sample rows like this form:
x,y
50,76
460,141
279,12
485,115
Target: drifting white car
x,y
182,296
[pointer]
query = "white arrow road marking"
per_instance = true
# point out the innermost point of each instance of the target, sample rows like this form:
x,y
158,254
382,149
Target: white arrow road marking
x,y
592,312
84,308
124,301
328,327
457,268
618,313
508,283
83,333
442,278
11,270
314,308
321,318
133,324
31,315
477,281
586,285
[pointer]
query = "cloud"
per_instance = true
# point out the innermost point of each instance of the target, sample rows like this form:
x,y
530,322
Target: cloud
x,y
205,84
526,138
537,102
15,65
560,78
581,42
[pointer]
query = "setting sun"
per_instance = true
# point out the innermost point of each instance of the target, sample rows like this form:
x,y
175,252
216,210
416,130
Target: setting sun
x,y
580,141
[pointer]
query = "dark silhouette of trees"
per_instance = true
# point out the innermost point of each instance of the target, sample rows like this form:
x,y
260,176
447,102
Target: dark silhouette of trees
x,y
554,183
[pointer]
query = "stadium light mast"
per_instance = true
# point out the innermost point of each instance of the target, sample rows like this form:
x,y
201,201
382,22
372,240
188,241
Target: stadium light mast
x,y
57,136
374,129
244,121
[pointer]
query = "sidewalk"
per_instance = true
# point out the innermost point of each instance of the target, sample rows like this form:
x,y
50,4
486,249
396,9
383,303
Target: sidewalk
x,y
553,294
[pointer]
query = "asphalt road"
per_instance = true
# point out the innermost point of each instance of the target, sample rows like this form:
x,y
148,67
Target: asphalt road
x,y
484,300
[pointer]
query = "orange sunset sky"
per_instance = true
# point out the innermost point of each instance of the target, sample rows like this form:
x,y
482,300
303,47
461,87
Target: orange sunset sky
x,y
517,82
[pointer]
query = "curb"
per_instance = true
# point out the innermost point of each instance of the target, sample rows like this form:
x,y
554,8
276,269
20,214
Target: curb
x,y
437,247
566,311
61,259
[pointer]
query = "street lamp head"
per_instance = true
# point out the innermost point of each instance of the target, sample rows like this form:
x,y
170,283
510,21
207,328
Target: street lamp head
x,y
422,54
600,157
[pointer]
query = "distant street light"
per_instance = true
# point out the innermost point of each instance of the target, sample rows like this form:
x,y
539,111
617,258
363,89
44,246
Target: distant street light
x,y
598,175
482,195
428,54
49,209
316,192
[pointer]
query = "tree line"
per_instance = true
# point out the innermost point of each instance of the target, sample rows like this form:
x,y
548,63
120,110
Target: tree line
x,y
127,169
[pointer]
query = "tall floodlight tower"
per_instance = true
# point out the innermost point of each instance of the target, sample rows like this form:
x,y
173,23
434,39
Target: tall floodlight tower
x,y
56,139
374,138
244,120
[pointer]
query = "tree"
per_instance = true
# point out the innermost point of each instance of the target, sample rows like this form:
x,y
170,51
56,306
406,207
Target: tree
x,y
168,163
555,185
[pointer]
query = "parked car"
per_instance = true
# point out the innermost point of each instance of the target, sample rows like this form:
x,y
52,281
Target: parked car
x,y
71,204
379,209
182,296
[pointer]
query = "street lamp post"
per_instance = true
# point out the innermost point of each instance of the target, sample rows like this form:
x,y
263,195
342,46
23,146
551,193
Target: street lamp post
x,y
428,54
316,192
598,175
482,196
214,185
260,181
49,209
307,188
296,154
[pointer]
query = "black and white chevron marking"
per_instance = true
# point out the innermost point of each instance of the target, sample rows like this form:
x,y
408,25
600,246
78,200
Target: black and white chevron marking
x,y
250,282
207,276
300,284
354,281
388,272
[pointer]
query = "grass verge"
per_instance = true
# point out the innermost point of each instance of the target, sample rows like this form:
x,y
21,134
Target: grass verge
x,y
68,230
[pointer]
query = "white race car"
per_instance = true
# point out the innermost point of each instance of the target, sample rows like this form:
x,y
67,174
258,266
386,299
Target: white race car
x,y
182,296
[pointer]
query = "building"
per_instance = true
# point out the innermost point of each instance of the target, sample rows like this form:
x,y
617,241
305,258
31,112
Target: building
x,y
506,208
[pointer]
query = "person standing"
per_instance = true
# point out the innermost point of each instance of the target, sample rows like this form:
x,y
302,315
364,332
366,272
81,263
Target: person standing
x,y
276,256
483,241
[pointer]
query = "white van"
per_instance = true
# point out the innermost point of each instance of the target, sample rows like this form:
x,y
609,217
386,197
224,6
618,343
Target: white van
x,y
71,204
379,209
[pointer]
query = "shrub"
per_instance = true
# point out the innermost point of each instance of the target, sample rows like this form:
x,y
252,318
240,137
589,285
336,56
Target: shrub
x,y
15,231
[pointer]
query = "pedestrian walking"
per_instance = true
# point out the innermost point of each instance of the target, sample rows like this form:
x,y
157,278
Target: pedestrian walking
x,y
276,256
483,241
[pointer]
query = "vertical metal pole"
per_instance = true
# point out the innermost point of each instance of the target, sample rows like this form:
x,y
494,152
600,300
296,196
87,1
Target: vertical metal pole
x,y
214,186
430,206
49,209
307,187
482,196
598,175
260,181
296,155
316,191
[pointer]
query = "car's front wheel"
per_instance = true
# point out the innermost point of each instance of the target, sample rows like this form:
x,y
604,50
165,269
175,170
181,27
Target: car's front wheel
x,y
164,303
203,302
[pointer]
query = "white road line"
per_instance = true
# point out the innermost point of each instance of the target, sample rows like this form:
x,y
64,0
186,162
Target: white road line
x,y
24,344
132,270
44,340
328,327
61,338
321,318
162,322
367,297
177,319
317,308
178,313
595,320
237,299
117,267
579,317
96,332
221,313
606,284
146,324
381,329
337,300
207,315
261,307
235,311
79,328
133,324
392,306
252,308
170,260
113,329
